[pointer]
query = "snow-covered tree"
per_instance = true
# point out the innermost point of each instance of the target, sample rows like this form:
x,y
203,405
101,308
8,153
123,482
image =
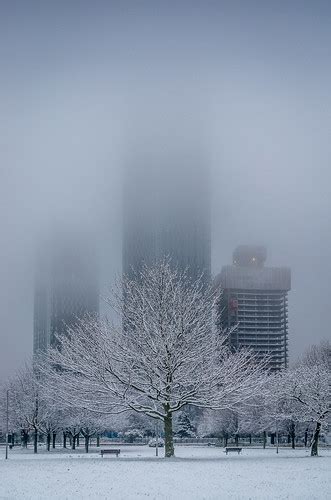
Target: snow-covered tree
x,y
183,426
219,424
51,424
279,412
90,425
269,411
308,387
163,356
316,354
28,409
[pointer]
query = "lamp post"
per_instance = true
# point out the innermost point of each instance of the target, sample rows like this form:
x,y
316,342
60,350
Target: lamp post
x,y
7,421
157,438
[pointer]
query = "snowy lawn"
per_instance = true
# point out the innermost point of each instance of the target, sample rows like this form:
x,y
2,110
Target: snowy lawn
x,y
195,473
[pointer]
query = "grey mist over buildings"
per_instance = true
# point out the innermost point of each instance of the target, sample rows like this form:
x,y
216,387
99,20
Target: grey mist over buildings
x,y
223,101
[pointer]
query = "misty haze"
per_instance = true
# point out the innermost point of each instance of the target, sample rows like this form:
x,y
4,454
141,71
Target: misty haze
x,y
188,142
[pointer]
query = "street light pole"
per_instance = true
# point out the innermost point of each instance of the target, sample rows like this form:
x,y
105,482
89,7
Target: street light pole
x,y
157,439
7,421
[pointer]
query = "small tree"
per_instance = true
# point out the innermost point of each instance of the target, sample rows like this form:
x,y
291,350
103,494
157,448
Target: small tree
x,y
91,424
71,425
221,424
255,419
184,427
34,406
50,426
308,386
27,408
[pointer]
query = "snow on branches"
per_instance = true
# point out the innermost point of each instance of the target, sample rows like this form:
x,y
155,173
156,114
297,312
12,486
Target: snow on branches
x,y
165,353
307,386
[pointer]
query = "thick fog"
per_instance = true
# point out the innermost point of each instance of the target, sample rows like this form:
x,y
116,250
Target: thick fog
x,y
85,85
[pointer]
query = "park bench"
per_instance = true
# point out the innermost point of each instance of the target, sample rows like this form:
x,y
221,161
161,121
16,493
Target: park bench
x,y
230,449
112,451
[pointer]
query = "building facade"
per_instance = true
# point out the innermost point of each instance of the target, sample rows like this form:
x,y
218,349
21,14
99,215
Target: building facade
x,y
167,212
255,301
66,288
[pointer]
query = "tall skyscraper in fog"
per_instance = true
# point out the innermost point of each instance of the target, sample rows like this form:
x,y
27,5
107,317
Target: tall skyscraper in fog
x,y
167,203
254,300
66,287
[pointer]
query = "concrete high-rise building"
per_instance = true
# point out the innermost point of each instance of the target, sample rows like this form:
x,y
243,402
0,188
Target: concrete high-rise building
x,y
66,287
167,208
255,299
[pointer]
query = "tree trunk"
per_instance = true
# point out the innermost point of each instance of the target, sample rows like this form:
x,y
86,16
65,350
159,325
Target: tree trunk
x,y
250,439
264,439
77,440
35,441
98,441
48,441
54,438
314,443
25,438
236,439
226,441
64,440
306,438
168,436
73,442
293,435
86,442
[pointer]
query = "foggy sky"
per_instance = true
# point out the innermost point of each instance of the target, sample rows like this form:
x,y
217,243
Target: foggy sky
x,y
78,77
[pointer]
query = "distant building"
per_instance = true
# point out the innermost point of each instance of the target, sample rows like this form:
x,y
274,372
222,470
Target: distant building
x,y
66,287
255,298
167,209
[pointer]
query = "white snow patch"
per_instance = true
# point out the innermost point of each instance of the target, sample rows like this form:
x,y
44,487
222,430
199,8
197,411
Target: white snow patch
x,y
195,473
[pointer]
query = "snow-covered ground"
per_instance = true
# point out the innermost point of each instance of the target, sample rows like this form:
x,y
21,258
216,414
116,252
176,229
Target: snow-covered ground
x,y
195,473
